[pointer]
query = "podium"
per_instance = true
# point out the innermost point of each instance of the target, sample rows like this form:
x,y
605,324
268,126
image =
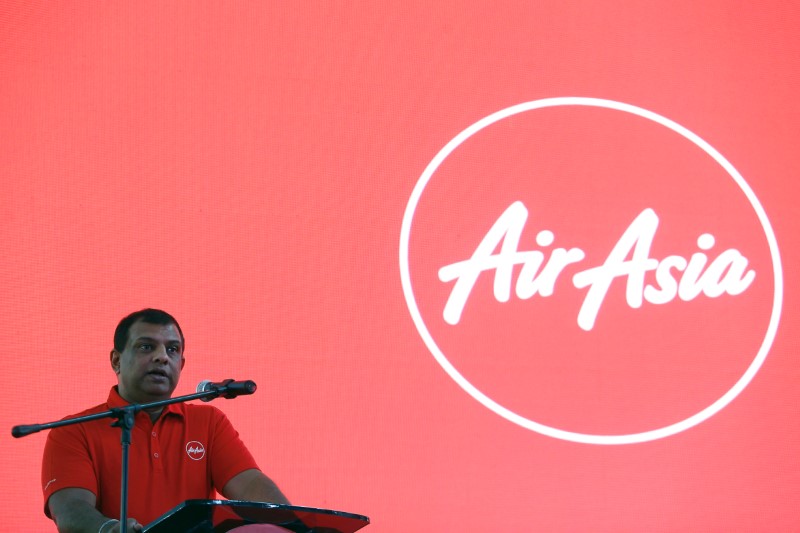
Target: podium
x,y
213,516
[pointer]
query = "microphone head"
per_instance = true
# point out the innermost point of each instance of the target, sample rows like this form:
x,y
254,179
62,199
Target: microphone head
x,y
204,386
249,387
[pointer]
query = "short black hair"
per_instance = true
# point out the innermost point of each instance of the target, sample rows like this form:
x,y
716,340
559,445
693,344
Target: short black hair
x,y
150,316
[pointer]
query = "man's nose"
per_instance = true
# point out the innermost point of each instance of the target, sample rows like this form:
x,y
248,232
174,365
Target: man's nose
x,y
160,354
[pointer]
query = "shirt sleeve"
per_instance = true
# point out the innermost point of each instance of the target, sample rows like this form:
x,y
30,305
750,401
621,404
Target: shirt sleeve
x,y
229,456
66,463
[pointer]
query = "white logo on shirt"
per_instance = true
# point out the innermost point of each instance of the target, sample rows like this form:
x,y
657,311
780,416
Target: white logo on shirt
x,y
195,450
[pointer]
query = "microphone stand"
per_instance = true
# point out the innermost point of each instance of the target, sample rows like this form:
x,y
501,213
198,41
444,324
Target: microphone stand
x,y
125,417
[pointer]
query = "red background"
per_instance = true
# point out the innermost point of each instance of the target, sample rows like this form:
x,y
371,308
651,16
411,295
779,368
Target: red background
x,y
246,167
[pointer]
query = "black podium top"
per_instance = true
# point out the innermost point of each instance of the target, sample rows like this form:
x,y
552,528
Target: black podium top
x,y
213,516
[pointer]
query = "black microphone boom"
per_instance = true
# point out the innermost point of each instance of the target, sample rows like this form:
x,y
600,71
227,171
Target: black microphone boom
x,y
227,388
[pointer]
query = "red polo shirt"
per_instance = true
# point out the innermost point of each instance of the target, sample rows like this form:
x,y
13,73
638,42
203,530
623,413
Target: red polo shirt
x,y
190,451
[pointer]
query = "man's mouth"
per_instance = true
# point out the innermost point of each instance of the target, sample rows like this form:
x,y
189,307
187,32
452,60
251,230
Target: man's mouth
x,y
157,374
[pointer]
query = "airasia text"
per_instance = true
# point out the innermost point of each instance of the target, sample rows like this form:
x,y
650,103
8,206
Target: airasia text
x,y
675,275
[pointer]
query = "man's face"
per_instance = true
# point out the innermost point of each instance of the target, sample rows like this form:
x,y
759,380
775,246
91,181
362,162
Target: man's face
x,y
149,367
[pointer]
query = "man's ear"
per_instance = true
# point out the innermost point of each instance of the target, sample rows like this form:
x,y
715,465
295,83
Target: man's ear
x,y
114,356
183,362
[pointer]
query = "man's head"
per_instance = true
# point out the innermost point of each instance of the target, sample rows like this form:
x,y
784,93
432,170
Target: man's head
x,y
151,316
147,355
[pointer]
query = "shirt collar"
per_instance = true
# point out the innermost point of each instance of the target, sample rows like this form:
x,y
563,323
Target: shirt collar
x,y
115,400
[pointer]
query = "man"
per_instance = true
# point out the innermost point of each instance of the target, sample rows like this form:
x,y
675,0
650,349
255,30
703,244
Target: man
x,y
178,452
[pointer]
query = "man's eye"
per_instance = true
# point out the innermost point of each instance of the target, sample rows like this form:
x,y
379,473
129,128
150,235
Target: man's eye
x,y
145,347
173,349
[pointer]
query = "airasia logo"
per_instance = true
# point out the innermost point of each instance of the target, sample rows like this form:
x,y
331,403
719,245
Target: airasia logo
x,y
591,270
195,450
727,273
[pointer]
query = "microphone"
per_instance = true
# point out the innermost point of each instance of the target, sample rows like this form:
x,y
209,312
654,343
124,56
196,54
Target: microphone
x,y
227,388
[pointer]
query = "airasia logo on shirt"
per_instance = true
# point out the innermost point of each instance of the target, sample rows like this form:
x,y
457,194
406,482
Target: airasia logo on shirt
x,y
195,450
591,270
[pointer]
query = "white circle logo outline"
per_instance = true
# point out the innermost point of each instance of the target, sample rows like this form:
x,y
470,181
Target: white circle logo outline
x,y
631,438
192,452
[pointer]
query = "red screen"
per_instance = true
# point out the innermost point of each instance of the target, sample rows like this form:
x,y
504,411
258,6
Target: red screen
x,y
511,267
